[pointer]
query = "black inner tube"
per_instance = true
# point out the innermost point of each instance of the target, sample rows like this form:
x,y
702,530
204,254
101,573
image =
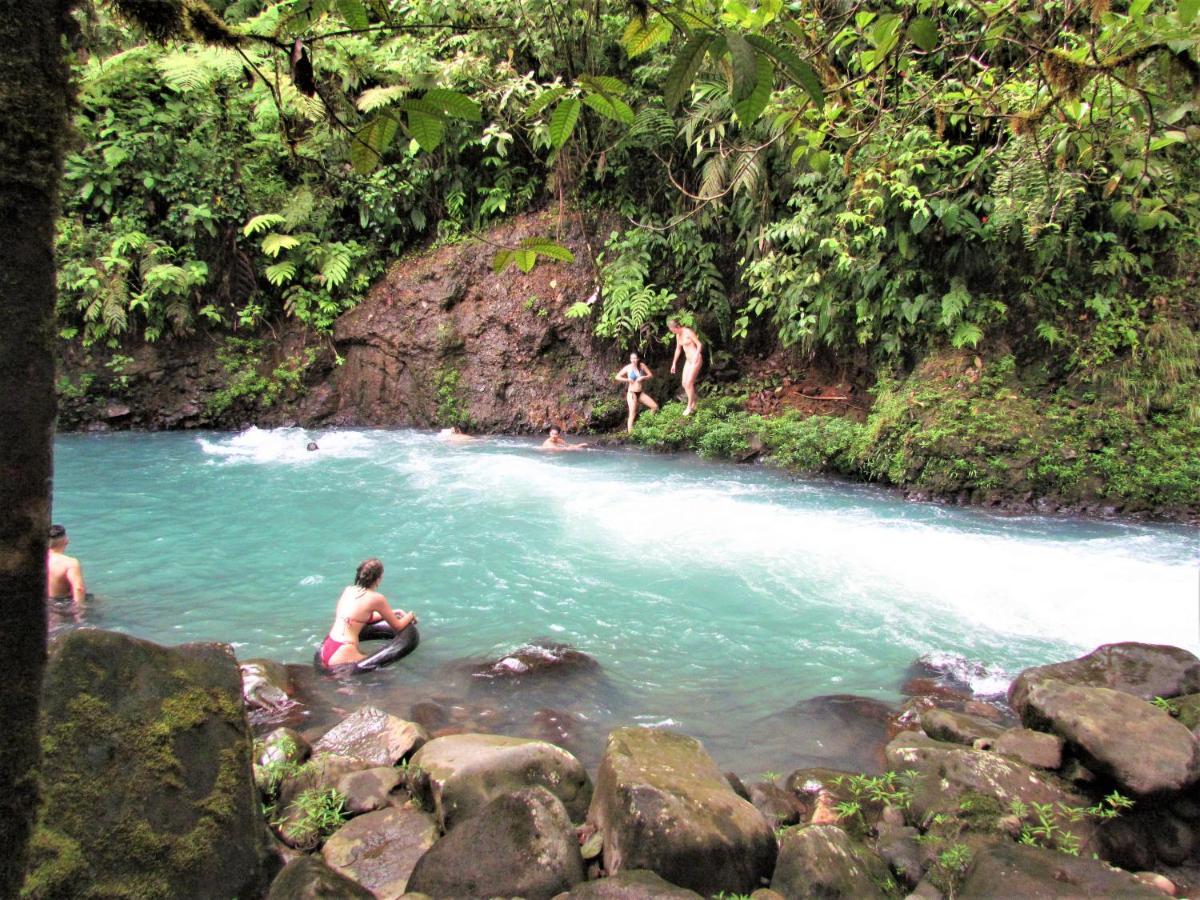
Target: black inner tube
x,y
398,646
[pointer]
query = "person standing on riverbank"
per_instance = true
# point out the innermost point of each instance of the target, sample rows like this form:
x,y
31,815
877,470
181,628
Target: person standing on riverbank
x,y
635,375
688,343
64,574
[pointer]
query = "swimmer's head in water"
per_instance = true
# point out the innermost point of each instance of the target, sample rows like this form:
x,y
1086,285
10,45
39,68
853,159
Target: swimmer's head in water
x,y
312,445
368,574
57,536
553,432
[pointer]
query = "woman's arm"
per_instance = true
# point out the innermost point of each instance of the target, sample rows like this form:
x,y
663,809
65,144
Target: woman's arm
x,y
646,373
399,623
678,350
621,376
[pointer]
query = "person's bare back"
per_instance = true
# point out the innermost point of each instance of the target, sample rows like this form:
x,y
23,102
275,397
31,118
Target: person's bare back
x,y
64,574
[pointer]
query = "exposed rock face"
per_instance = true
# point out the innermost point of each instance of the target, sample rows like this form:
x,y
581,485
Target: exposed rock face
x,y
632,884
536,659
444,338
520,845
462,773
662,804
1034,748
822,862
1143,670
1005,870
897,845
948,771
308,878
1141,747
380,849
146,772
957,728
373,736
368,790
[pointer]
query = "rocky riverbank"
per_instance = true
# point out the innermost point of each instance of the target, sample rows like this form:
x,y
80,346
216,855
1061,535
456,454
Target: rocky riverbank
x,y
155,787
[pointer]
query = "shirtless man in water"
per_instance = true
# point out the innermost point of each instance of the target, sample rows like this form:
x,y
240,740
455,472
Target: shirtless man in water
x,y
557,442
64,575
688,343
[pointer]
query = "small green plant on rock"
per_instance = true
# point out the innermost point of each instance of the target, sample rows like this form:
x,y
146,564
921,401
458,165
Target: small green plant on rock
x,y
320,814
1166,705
1049,822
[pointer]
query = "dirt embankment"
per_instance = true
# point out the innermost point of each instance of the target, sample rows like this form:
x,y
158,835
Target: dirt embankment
x,y
440,340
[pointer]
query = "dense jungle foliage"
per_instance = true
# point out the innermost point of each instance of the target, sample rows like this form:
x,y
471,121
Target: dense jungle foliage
x,y
1017,178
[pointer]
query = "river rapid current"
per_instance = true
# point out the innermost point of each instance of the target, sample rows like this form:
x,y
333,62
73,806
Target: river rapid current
x,y
714,598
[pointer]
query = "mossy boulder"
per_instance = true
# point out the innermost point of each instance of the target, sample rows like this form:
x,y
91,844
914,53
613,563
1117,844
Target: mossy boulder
x,y
462,773
373,735
1005,870
1141,747
823,861
521,844
379,850
1143,670
632,884
662,804
147,786
308,878
949,773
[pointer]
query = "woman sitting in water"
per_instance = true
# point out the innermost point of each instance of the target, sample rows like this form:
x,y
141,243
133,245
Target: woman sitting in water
x,y
359,604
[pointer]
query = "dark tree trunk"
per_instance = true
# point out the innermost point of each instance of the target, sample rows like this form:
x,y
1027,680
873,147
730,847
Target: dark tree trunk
x,y
34,102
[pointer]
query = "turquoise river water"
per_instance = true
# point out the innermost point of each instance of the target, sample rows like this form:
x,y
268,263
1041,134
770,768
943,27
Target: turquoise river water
x,y
714,597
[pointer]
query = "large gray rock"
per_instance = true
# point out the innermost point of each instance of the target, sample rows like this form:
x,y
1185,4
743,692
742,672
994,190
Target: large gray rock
x,y
956,727
321,773
308,878
1140,746
379,850
146,774
368,790
462,773
1143,670
520,845
1034,748
662,804
1006,870
947,772
632,884
897,846
822,862
375,736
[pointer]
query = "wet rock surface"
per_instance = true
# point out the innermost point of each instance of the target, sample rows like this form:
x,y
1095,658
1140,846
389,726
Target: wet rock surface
x,y
634,884
662,804
309,878
379,850
1141,747
1005,870
823,861
462,773
374,736
522,844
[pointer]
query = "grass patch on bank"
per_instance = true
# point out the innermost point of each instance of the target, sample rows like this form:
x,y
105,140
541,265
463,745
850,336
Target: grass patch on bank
x,y
985,432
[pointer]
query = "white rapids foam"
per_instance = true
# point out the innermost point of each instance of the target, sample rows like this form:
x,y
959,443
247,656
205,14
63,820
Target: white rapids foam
x,y
286,445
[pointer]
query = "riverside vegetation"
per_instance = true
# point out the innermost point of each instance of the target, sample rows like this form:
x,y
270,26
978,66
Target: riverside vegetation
x,y
988,212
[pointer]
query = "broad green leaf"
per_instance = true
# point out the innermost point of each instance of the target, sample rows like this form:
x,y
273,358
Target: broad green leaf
x,y
501,260
427,130
683,71
1188,10
336,267
274,244
920,218
641,36
562,122
923,33
354,14
793,66
543,100
745,65
262,223
751,108
966,334
370,142
604,84
610,107
452,103
525,260
281,273
548,248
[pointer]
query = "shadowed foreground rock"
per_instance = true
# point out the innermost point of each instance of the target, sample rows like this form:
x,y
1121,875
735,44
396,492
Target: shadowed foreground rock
x,y
1006,870
380,849
372,735
1143,670
634,884
147,768
1141,747
308,878
662,804
520,845
822,861
462,773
